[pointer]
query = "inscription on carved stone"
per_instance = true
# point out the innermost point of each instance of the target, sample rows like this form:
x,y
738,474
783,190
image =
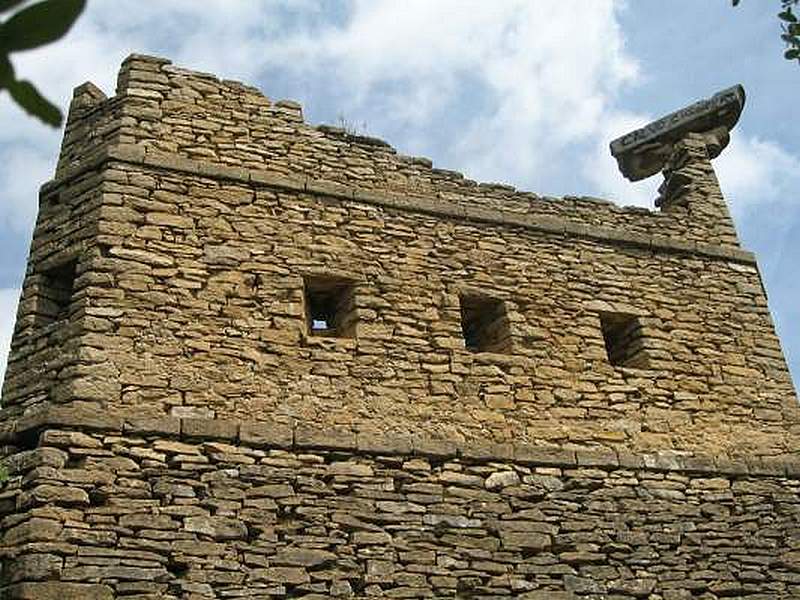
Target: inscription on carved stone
x,y
643,152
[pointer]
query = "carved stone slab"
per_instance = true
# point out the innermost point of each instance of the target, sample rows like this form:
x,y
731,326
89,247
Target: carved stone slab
x,y
642,153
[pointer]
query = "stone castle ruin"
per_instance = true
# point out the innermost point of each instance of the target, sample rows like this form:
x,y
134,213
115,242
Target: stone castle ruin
x,y
256,358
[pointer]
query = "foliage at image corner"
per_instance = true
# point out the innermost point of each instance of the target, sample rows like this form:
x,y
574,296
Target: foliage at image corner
x,y
790,26
30,27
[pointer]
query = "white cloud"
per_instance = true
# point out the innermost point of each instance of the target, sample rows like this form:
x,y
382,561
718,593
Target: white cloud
x,y
500,90
507,91
506,85
24,169
601,171
755,174
225,38
8,312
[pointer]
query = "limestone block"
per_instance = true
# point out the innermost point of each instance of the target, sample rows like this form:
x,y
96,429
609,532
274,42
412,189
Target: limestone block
x,y
32,530
313,437
53,494
350,469
501,479
274,435
289,575
56,590
34,567
209,429
63,439
219,528
303,557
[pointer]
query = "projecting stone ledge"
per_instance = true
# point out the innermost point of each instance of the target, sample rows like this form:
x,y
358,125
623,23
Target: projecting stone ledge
x,y
645,152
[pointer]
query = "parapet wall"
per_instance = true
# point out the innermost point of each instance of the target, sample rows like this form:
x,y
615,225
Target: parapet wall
x,y
176,113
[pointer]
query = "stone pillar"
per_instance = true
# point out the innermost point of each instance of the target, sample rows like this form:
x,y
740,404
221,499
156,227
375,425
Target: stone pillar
x,y
690,186
80,130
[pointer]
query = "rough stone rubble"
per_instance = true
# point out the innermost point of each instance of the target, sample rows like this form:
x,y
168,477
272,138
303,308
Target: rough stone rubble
x,y
175,427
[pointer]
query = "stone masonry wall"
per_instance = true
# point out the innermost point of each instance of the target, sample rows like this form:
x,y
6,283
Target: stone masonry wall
x,y
44,351
189,300
175,425
194,307
175,113
101,514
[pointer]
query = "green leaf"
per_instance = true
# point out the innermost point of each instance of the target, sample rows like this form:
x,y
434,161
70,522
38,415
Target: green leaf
x,y
735,2
7,4
29,99
787,15
6,72
39,24
792,53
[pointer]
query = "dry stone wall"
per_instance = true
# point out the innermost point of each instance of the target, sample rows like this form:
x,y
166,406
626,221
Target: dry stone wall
x,y
101,514
209,321
256,358
174,114
44,354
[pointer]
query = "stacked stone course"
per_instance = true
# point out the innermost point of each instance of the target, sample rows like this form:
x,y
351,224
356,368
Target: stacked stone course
x,y
180,431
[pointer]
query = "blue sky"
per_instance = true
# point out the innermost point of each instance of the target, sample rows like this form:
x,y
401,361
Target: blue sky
x,y
527,92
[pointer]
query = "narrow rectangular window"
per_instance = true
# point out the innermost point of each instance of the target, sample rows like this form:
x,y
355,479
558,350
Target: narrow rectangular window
x,y
624,340
485,324
330,306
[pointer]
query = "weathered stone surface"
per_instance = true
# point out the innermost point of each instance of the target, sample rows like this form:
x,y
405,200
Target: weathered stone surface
x,y
36,567
69,438
643,152
210,428
56,590
502,479
268,434
161,425
314,437
303,557
350,469
53,494
291,575
219,528
32,530
260,359
293,518
530,541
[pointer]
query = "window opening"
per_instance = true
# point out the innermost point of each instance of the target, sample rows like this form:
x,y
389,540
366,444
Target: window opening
x,y
55,293
330,306
624,340
485,324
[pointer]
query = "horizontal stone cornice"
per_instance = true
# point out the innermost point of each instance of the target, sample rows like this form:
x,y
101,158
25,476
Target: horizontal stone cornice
x,y
313,437
137,155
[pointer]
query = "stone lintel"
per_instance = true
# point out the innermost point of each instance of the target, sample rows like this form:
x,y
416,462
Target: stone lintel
x,y
644,152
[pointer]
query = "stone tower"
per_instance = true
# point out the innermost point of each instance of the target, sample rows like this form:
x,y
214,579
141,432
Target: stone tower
x,y
256,358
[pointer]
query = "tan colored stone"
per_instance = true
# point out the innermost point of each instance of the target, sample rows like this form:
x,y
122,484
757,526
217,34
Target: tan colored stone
x,y
56,590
